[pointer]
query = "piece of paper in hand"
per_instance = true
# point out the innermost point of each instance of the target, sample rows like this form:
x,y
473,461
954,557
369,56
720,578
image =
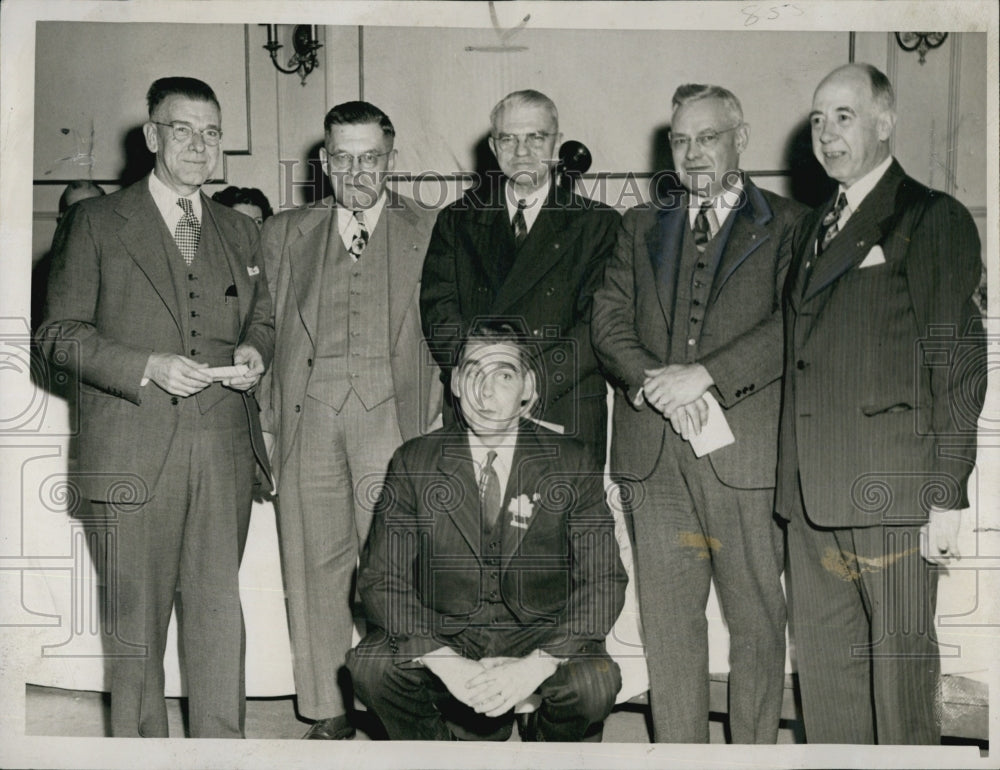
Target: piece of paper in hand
x,y
715,433
219,373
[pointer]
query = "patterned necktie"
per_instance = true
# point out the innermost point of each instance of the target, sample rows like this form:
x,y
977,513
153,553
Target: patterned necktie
x,y
703,225
831,224
489,491
188,231
519,225
361,238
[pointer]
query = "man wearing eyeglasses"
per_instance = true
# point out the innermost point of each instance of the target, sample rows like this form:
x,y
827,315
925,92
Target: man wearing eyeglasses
x,y
690,313
523,248
349,383
153,289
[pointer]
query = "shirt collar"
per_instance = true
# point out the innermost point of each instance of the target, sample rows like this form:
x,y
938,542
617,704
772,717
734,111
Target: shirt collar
x,y
345,216
858,191
166,201
722,204
532,201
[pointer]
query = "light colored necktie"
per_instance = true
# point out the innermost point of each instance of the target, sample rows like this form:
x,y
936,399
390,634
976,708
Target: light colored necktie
x,y
489,491
831,224
361,238
187,233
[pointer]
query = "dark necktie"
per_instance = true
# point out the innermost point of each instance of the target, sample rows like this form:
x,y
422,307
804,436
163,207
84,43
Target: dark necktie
x,y
831,224
519,225
188,231
361,239
702,226
489,491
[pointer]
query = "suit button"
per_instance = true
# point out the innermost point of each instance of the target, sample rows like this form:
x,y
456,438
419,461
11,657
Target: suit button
x,y
800,364
194,352
701,265
751,387
695,302
737,394
692,341
298,408
192,295
309,362
194,333
192,277
173,400
194,313
493,594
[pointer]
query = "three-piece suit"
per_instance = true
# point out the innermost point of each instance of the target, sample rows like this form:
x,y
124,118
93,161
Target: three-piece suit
x,y
171,477
664,302
546,576
351,380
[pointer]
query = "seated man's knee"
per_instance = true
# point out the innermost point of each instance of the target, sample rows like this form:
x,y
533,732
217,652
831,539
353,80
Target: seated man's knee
x,y
370,664
595,682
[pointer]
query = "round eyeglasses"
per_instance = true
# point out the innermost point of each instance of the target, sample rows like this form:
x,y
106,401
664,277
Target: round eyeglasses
x,y
182,132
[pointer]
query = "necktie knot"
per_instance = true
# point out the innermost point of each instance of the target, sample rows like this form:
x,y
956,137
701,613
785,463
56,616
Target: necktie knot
x,y
360,239
489,491
519,224
187,233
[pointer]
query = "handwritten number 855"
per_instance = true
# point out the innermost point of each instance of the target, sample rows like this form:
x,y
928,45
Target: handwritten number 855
x,y
773,12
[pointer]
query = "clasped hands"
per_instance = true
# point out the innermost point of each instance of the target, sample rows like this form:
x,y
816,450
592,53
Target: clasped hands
x,y
677,392
490,686
181,376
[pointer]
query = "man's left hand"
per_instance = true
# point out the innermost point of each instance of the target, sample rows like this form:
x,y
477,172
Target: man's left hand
x,y
508,681
939,536
246,354
675,385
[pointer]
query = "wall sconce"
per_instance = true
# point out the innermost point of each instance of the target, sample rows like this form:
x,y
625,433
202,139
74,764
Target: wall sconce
x,y
921,42
305,44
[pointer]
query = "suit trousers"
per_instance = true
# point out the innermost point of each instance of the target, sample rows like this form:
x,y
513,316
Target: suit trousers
x,y
413,704
186,541
862,620
326,500
690,527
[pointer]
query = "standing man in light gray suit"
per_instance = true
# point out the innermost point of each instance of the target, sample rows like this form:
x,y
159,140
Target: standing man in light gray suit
x,y
152,287
885,376
690,310
349,384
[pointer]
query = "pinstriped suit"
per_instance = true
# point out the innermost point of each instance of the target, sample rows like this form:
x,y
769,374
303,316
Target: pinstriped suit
x,y
884,381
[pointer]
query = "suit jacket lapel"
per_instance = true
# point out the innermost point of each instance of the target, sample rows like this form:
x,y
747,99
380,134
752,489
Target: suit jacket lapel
x,y
142,236
552,233
664,244
405,261
532,463
455,462
744,232
227,236
864,229
306,257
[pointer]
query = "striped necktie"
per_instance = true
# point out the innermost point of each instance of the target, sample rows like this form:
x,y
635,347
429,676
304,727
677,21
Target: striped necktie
x,y
702,227
187,233
831,224
519,224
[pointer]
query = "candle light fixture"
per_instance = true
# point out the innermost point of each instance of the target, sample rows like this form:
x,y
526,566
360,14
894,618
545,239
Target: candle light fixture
x,y
304,43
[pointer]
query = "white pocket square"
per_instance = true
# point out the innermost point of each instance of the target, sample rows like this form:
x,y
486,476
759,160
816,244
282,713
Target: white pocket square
x,y
254,270
874,257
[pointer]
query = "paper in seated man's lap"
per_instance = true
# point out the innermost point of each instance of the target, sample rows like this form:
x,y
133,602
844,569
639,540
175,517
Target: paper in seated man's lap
x,y
492,570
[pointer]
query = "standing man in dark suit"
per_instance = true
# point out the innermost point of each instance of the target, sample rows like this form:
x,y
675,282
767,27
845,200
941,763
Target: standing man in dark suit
x,y
492,570
526,249
151,288
884,381
690,310
351,380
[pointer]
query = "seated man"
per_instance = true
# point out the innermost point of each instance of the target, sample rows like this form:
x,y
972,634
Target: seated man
x,y
492,570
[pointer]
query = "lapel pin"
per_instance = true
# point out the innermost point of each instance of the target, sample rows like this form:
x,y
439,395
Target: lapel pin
x,y
861,244
253,270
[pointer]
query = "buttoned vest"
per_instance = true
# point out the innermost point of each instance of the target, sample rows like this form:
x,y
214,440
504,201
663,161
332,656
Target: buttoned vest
x,y
352,346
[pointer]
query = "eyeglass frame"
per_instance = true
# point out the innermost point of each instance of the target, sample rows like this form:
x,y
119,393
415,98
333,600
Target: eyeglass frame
x,y
530,140
359,158
180,124
704,140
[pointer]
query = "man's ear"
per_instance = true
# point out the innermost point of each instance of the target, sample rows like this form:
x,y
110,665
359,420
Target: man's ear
x,y
884,124
493,147
529,394
456,385
324,160
151,137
